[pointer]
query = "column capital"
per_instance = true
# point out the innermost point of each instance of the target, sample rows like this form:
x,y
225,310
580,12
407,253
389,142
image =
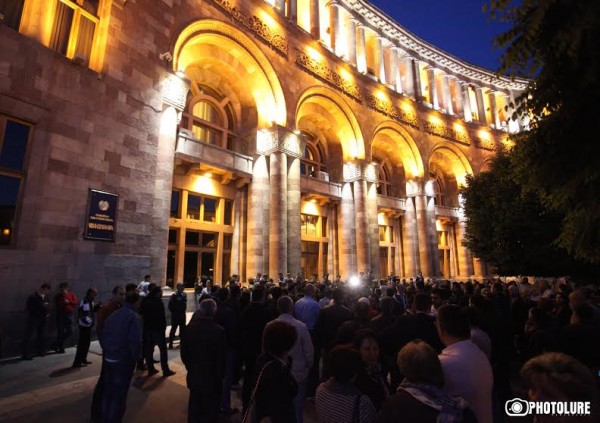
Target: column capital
x,y
360,169
280,139
417,187
332,3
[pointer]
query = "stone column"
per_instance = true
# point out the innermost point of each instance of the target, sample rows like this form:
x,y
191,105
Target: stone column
x,y
280,6
293,216
408,80
417,80
411,239
315,26
379,60
480,105
447,95
373,230
346,227
334,27
238,230
293,11
361,53
332,259
458,96
425,253
394,77
363,261
278,214
352,41
163,186
466,103
257,232
494,110
433,94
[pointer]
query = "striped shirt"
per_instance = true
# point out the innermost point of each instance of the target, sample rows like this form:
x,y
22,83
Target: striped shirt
x,y
335,404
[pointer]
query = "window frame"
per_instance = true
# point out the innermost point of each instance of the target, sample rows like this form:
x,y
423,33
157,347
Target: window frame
x,y
12,173
78,12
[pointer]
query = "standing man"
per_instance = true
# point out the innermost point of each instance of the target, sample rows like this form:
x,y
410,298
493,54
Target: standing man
x,y
307,310
121,342
155,325
301,353
86,312
107,308
38,310
144,286
66,302
177,307
203,351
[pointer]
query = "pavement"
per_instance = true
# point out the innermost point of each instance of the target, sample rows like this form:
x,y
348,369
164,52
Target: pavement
x,y
48,390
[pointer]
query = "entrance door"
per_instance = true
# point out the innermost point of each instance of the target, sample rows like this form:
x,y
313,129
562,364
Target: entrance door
x,y
383,261
207,265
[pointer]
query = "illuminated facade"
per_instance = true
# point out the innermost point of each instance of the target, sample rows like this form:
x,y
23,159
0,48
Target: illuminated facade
x,y
242,137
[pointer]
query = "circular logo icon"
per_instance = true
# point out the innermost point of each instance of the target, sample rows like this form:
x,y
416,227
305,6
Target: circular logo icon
x,y
103,205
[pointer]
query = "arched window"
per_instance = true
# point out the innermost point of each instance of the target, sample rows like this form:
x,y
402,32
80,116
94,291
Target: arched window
x,y
384,186
438,189
314,156
210,119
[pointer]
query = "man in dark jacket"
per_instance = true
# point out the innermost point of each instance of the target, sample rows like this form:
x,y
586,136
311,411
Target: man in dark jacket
x,y
86,312
38,310
203,351
177,307
155,325
332,317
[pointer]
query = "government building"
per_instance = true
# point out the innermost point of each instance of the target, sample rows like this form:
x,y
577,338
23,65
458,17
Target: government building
x,y
190,138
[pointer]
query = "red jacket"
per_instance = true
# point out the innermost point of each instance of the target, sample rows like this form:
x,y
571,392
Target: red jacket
x,y
66,302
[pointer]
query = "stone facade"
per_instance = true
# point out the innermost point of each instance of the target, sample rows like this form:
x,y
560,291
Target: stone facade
x,y
212,171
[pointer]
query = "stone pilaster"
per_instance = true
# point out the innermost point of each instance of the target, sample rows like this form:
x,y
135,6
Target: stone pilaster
x,y
494,110
408,79
465,261
373,230
363,260
418,87
394,78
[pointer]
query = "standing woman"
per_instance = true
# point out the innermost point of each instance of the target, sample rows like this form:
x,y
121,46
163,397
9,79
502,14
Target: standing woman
x,y
86,312
275,388
370,377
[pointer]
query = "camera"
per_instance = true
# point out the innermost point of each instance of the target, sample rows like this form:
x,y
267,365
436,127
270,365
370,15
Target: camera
x,y
516,407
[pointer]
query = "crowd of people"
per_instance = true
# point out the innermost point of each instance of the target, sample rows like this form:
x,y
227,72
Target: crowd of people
x,y
363,350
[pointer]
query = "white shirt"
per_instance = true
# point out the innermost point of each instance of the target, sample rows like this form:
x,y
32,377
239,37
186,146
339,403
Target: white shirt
x,y
468,374
302,351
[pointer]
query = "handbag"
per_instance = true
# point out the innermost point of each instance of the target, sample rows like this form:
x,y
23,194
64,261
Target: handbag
x,y
250,416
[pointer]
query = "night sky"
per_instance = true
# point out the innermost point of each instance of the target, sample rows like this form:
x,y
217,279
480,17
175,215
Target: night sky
x,y
458,27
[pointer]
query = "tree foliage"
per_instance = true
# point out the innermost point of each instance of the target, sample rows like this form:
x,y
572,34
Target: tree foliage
x,y
555,44
510,228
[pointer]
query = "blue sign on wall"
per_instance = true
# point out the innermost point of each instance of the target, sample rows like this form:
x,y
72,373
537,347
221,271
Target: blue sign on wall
x,y
101,218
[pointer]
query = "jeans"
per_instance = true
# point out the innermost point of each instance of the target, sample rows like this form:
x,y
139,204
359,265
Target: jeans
x,y
83,345
116,386
156,337
97,397
35,325
64,329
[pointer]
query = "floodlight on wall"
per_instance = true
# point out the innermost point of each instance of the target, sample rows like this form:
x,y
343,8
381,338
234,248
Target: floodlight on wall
x,y
167,56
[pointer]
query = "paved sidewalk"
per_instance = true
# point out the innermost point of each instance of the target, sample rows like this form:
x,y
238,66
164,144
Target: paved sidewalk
x,y
47,390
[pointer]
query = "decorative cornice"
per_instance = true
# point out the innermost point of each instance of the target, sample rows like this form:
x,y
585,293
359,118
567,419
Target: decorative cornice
x,y
392,111
484,144
254,24
381,23
328,75
444,131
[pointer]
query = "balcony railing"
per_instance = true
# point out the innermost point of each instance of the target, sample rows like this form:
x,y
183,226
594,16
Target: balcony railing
x,y
392,203
446,211
319,186
190,149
